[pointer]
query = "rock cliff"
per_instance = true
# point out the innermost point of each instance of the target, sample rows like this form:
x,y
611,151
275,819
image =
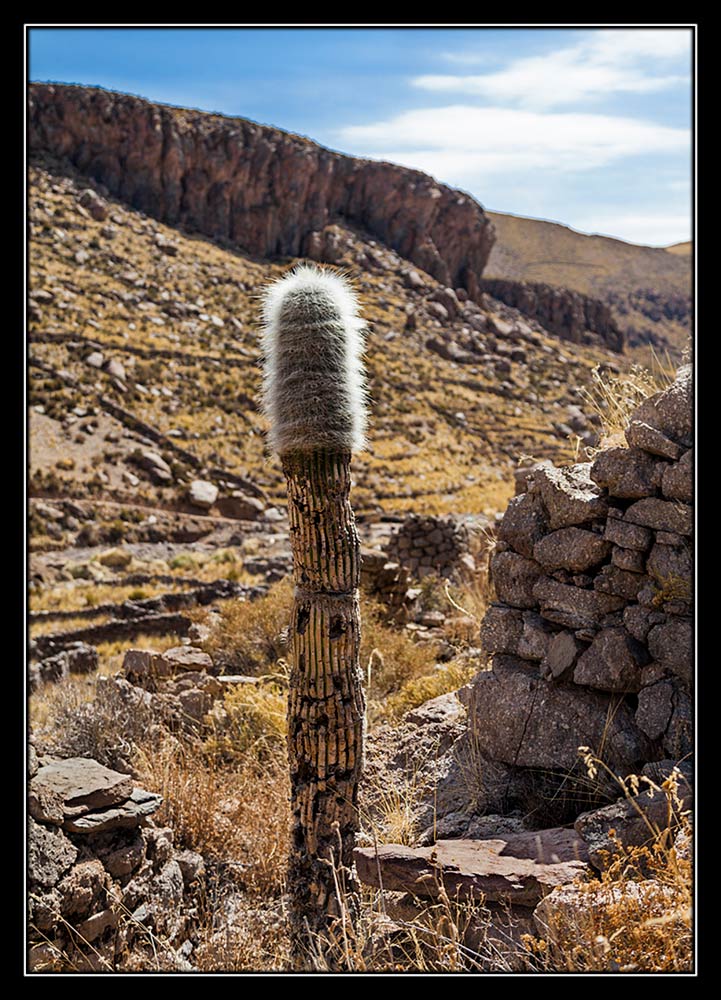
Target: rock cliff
x,y
259,187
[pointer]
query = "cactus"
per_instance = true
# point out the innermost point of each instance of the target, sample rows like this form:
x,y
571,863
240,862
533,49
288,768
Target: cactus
x,y
314,394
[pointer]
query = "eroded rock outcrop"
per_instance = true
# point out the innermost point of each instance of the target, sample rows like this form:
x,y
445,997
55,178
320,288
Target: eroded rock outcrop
x,y
269,191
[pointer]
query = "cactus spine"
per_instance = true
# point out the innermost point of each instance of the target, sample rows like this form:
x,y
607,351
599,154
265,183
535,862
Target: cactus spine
x,y
314,395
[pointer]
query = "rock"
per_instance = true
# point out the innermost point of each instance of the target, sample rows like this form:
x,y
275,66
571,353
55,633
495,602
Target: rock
x,y
82,888
82,658
671,645
574,607
181,658
470,827
413,280
50,854
642,436
638,620
571,548
535,637
678,740
514,577
153,463
669,413
83,781
523,524
192,866
444,708
94,927
612,662
45,804
633,820
677,481
662,515
515,868
94,204
202,494
620,582
561,656
116,558
627,473
569,495
630,560
672,567
655,705
131,813
124,853
518,718
95,359
195,704
144,667
628,536
241,507
569,918
501,629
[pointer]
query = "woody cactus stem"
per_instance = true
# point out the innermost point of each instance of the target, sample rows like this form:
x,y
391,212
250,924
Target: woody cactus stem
x,y
315,397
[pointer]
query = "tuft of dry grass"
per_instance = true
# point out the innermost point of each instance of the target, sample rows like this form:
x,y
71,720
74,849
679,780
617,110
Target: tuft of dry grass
x,y
615,397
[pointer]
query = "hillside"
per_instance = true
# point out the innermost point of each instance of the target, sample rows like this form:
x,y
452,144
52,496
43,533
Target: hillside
x,y
647,287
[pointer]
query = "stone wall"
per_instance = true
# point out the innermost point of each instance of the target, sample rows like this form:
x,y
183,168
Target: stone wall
x,y
591,634
426,544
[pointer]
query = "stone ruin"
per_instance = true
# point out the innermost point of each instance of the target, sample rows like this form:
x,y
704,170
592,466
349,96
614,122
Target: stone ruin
x,y
591,636
590,644
426,544
103,877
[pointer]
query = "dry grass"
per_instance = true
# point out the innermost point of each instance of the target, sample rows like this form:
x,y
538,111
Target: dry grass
x,y
615,397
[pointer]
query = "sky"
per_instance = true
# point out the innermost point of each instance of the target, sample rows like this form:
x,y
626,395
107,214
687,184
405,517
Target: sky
x,y
588,127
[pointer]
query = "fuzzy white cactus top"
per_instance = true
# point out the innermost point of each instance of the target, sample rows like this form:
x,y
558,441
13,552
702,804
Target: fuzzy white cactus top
x,y
314,386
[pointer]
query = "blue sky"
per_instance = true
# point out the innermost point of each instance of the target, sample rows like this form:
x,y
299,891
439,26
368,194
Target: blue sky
x,y
588,127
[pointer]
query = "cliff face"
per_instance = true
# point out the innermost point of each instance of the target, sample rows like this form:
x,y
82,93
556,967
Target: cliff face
x,y
261,188
571,315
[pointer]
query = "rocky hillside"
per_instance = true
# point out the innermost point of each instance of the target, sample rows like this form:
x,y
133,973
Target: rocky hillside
x,y
648,288
261,188
143,339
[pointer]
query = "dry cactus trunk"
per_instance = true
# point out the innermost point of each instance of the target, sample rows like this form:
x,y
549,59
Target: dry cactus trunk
x,y
314,395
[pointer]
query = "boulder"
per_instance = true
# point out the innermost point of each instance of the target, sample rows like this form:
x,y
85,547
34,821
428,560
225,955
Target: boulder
x,y
620,582
181,658
130,813
655,705
671,645
524,523
240,507
83,781
630,560
677,481
82,888
661,515
561,655
518,718
50,854
627,535
627,473
571,548
634,822
518,869
202,493
669,413
574,607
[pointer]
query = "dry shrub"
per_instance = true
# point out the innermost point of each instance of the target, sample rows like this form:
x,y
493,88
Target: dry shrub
x,y
251,717
445,678
235,817
389,656
637,916
248,636
615,397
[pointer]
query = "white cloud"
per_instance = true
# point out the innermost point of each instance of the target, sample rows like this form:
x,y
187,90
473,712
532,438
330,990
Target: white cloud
x,y
602,63
650,230
460,144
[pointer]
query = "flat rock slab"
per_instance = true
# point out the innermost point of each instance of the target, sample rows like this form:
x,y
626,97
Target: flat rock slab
x,y
514,868
83,781
129,814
